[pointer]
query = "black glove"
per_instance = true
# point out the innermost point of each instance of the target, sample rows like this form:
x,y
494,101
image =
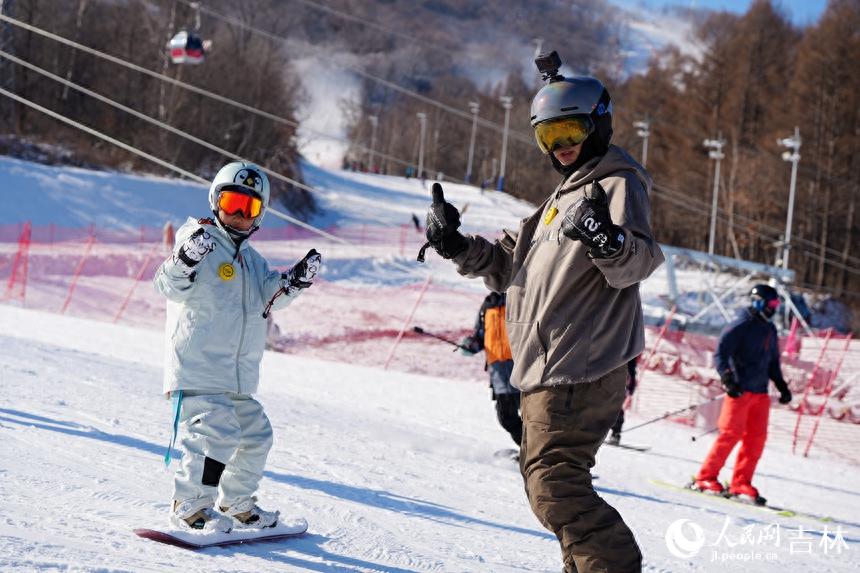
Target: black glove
x,y
443,220
588,221
784,392
470,346
302,274
730,385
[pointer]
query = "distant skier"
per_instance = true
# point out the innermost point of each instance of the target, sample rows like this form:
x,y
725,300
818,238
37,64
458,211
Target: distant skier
x,y
615,434
219,291
573,316
416,223
491,337
747,357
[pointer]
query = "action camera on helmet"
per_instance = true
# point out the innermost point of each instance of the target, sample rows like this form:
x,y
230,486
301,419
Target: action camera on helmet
x,y
548,65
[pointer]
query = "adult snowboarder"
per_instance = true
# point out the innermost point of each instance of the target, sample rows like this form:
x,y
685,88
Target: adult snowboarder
x,y
491,337
573,314
219,290
747,357
615,435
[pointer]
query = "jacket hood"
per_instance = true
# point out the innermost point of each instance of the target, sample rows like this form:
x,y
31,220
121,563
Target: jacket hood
x,y
614,161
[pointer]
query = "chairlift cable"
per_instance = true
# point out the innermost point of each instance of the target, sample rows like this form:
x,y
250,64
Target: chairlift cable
x,y
195,89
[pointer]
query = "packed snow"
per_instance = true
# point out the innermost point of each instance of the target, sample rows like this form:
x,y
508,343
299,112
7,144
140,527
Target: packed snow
x,y
394,468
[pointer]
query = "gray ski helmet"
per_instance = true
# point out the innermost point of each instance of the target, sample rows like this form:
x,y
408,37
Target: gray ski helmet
x,y
246,176
564,97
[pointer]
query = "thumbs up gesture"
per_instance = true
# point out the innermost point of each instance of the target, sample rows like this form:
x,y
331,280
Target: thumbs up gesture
x,y
588,221
443,220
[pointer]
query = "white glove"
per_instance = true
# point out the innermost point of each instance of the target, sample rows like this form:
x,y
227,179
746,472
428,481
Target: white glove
x,y
301,276
193,250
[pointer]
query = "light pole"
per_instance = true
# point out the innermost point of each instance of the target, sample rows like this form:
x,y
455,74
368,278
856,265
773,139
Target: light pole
x,y
643,130
374,121
538,46
473,107
506,103
793,144
715,153
422,119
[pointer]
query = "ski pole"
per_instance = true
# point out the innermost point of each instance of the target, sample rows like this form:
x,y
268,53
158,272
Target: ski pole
x,y
667,414
420,330
703,434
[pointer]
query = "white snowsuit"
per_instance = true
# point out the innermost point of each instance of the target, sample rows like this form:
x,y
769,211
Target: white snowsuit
x,y
215,338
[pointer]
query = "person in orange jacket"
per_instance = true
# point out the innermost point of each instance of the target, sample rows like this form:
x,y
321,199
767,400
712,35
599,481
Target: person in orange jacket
x,y
491,337
747,357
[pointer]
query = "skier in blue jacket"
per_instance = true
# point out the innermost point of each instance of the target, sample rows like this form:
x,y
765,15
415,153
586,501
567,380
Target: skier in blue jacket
x,y
747,358
219,292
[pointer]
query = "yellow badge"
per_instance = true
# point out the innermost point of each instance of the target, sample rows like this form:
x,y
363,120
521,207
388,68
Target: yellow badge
x,y
550,215
226,271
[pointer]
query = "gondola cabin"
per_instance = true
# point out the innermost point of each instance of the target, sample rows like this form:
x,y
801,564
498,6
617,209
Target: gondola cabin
x,y
187,48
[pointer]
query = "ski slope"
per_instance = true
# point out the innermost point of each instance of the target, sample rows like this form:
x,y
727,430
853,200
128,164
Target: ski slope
x,y
395,472
394,469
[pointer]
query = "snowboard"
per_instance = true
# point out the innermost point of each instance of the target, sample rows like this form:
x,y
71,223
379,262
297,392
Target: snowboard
x,y
190,540
775,510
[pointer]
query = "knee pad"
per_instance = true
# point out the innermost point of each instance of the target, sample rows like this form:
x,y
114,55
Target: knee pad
x,y
212,470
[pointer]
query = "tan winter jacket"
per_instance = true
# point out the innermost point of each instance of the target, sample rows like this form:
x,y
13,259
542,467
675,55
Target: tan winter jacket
x,y
569,318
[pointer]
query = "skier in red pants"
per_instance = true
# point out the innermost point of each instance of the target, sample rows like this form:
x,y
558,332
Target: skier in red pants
x,y
747,357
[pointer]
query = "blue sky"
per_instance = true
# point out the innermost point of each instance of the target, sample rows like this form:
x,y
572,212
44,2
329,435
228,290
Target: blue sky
x,y
802,11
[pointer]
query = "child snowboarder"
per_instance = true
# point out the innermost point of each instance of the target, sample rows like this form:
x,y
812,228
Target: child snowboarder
x,y
219,292
490,336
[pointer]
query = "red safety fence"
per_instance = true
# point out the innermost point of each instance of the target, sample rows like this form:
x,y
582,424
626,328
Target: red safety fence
x,y
353,315
676,370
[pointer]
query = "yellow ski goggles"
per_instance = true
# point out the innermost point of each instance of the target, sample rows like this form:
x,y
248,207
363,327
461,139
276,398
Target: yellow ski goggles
x,y
563,132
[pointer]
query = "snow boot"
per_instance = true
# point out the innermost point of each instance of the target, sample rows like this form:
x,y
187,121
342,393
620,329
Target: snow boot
x,y
710,486
246,514
747,493
199,515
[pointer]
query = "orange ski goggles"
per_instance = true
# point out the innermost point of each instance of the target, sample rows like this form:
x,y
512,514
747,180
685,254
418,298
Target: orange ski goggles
x,y
567,131
231,202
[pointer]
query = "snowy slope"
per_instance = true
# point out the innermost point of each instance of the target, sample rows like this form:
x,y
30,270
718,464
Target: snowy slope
x,y
395,472
69,196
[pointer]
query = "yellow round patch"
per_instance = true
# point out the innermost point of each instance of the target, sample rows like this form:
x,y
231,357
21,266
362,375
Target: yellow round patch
x,y
226,271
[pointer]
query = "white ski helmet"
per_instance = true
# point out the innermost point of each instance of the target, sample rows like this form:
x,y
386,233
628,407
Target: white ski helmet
x,y
245,176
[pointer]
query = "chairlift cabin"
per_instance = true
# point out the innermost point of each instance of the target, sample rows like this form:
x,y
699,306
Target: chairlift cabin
x,y
187,48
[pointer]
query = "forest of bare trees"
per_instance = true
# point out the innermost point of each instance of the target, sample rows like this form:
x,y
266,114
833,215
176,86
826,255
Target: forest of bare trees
x,y
245,68
757,78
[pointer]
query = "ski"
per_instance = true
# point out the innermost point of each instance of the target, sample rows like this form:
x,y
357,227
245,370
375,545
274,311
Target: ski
x,y
189,540
773,509
628,446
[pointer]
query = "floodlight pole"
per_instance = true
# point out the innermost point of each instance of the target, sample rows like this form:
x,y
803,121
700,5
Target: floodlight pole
x,y
474,107
643,130
793,144
422,119
374,121
507,104
716,153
